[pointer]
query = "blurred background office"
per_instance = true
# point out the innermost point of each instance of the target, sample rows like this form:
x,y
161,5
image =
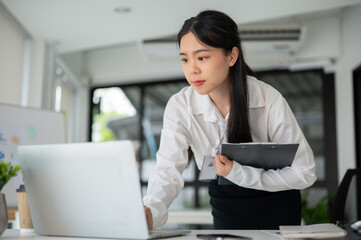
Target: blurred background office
x,y
111,66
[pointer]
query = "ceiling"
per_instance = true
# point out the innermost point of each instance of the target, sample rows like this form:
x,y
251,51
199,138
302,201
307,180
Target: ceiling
x,y
77,25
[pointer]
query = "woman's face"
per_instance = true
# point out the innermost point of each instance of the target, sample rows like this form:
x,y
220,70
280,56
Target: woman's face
x,y
206,68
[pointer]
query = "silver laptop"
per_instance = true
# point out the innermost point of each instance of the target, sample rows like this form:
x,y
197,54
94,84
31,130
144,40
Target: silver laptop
x,y
86,190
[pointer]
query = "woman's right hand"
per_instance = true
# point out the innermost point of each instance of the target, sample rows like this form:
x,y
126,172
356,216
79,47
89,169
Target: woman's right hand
x,y
149,217
223,165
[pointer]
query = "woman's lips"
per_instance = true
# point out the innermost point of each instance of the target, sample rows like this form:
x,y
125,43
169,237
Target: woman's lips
x,y
198,83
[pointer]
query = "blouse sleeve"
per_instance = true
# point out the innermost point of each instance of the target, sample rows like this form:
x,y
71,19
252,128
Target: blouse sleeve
x,y
282,127
166,181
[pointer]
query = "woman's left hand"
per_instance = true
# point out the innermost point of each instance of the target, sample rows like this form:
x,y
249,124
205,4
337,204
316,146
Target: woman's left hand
x,y
223,165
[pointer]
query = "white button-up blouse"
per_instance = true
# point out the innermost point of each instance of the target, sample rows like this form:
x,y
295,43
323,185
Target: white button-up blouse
x,y
192,120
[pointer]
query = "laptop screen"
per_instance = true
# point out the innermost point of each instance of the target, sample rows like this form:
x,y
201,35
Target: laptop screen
x,y
84,189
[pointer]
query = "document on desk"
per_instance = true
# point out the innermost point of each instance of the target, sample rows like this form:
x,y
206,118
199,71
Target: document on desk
x,y
323,230
259,155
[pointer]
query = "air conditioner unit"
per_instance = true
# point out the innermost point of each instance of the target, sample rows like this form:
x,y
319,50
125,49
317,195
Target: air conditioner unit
x,y
266,43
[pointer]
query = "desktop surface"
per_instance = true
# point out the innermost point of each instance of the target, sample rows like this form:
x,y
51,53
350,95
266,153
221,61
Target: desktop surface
x,y
11,234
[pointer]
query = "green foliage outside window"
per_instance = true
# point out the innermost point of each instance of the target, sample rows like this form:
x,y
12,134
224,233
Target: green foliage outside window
x,y
319,213
101,120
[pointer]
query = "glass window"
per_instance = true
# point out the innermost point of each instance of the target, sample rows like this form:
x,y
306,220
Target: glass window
x,y
155,99
304,94
113,115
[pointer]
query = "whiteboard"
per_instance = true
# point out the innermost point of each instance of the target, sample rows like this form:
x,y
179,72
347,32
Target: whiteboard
x,y
25,126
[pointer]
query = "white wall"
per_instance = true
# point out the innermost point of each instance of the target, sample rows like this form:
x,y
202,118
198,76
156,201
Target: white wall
x,y
37,51
322,39
75,63
349,60
12,52
11,60
129,63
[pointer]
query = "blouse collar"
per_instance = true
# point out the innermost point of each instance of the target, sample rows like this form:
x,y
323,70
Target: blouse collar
x,y
202,104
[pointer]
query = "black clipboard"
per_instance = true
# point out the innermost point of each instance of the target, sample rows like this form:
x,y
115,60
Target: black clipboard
x,y
259,155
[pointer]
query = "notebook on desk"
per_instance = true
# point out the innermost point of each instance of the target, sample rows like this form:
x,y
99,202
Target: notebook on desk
x,y
86,190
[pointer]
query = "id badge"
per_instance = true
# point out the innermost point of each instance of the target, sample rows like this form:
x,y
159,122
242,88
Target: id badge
x,y
208,171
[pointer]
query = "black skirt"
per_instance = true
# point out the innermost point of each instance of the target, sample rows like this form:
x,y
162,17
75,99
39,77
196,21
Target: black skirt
x,y
235,207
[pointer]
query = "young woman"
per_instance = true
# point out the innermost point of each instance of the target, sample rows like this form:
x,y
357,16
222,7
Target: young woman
x,y
226,103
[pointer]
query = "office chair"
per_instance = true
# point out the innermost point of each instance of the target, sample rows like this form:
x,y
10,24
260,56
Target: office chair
x,y
338,212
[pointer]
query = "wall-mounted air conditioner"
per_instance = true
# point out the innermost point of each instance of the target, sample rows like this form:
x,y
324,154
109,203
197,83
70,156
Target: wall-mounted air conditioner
x,y
266,43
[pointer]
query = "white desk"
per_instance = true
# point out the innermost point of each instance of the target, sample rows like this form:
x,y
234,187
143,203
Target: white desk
x,y
12,234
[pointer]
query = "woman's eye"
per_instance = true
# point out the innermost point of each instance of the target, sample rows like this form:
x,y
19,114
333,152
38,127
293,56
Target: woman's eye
x,y
184,60
202,58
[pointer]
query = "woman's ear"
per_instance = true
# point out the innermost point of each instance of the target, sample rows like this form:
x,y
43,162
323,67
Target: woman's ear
x,y
233,56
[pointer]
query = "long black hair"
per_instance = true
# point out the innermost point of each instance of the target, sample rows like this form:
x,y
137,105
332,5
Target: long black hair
x,y
218,30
